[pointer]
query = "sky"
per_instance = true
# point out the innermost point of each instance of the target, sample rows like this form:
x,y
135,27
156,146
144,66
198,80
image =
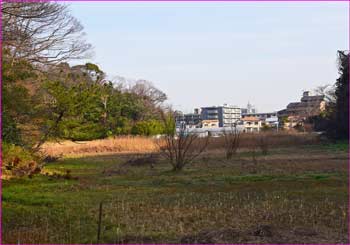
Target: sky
x,y
212,53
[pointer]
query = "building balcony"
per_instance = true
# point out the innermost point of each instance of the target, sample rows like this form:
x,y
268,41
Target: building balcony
x,y
212,111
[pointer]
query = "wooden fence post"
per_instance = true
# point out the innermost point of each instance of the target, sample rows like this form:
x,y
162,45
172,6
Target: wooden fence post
x,y
99,223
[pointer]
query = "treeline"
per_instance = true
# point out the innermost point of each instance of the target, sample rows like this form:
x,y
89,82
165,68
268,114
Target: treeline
x,y
44,98
334,121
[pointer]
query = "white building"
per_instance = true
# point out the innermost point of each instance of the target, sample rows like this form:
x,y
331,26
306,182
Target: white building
x,y
252,124
227,115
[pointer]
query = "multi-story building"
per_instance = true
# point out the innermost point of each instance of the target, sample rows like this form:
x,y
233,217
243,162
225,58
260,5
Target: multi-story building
x,y
192,119
251,124
188,120
226,115
261,116
268,118
210,123
179,119
308,106
296,112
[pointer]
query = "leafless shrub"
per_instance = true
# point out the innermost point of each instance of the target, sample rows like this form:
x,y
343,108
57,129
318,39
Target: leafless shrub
x,y
263,143
180,147
231,136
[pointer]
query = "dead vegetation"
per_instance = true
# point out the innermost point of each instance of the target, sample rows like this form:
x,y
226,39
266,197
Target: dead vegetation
x,y
182,148
140,145
126,144
232,139
261,233
263,143
270,139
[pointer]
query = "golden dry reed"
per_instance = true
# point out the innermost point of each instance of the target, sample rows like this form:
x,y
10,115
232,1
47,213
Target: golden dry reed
x,y
125,144
138,144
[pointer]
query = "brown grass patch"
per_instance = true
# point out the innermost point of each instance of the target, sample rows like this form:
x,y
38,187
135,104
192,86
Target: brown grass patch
x,y
137,144
249,140
127,144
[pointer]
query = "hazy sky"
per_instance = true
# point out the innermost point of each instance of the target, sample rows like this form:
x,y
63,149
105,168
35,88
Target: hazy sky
x,y
206,53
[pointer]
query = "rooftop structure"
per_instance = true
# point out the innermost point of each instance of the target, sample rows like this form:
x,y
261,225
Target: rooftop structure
x,y
250,109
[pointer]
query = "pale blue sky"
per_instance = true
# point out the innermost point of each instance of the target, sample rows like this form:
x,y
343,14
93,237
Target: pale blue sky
x,y
210,53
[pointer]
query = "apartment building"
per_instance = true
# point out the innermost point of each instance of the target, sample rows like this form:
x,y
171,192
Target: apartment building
x,y
267,118
227,115
251,124
297,112
210,123
309,105
261,115
188,120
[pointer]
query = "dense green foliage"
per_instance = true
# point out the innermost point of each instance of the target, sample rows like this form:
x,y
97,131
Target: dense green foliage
x,y
45,98
335,119
342,94
150,127
72,103
15,98
75,106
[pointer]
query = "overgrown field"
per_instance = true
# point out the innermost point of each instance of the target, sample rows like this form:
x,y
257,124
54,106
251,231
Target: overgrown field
x,y
292,195
139,144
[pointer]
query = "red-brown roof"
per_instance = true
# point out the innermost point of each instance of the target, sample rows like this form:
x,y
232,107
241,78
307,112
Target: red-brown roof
x,y
251,119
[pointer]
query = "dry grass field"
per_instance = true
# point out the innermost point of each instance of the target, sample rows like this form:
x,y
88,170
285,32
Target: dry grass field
x,y
113,145
137,144
297,193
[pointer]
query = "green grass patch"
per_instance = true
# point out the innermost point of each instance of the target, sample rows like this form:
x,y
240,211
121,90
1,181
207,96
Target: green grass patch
x,y
340,146
143,205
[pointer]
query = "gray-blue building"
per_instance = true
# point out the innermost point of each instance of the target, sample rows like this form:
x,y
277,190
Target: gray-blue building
x,y
227,115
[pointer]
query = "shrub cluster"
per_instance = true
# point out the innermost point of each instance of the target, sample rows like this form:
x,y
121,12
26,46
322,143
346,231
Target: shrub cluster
x,y
18,162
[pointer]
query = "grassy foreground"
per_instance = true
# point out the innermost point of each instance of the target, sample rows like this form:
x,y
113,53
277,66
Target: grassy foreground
x,y
292,195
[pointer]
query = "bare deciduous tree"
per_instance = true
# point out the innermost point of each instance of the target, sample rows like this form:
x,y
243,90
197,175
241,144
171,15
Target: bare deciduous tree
x,y
231,136
328,91
180,147
42,32
146,90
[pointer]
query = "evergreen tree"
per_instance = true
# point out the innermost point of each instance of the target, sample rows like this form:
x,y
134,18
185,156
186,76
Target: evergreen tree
x,y
342,94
